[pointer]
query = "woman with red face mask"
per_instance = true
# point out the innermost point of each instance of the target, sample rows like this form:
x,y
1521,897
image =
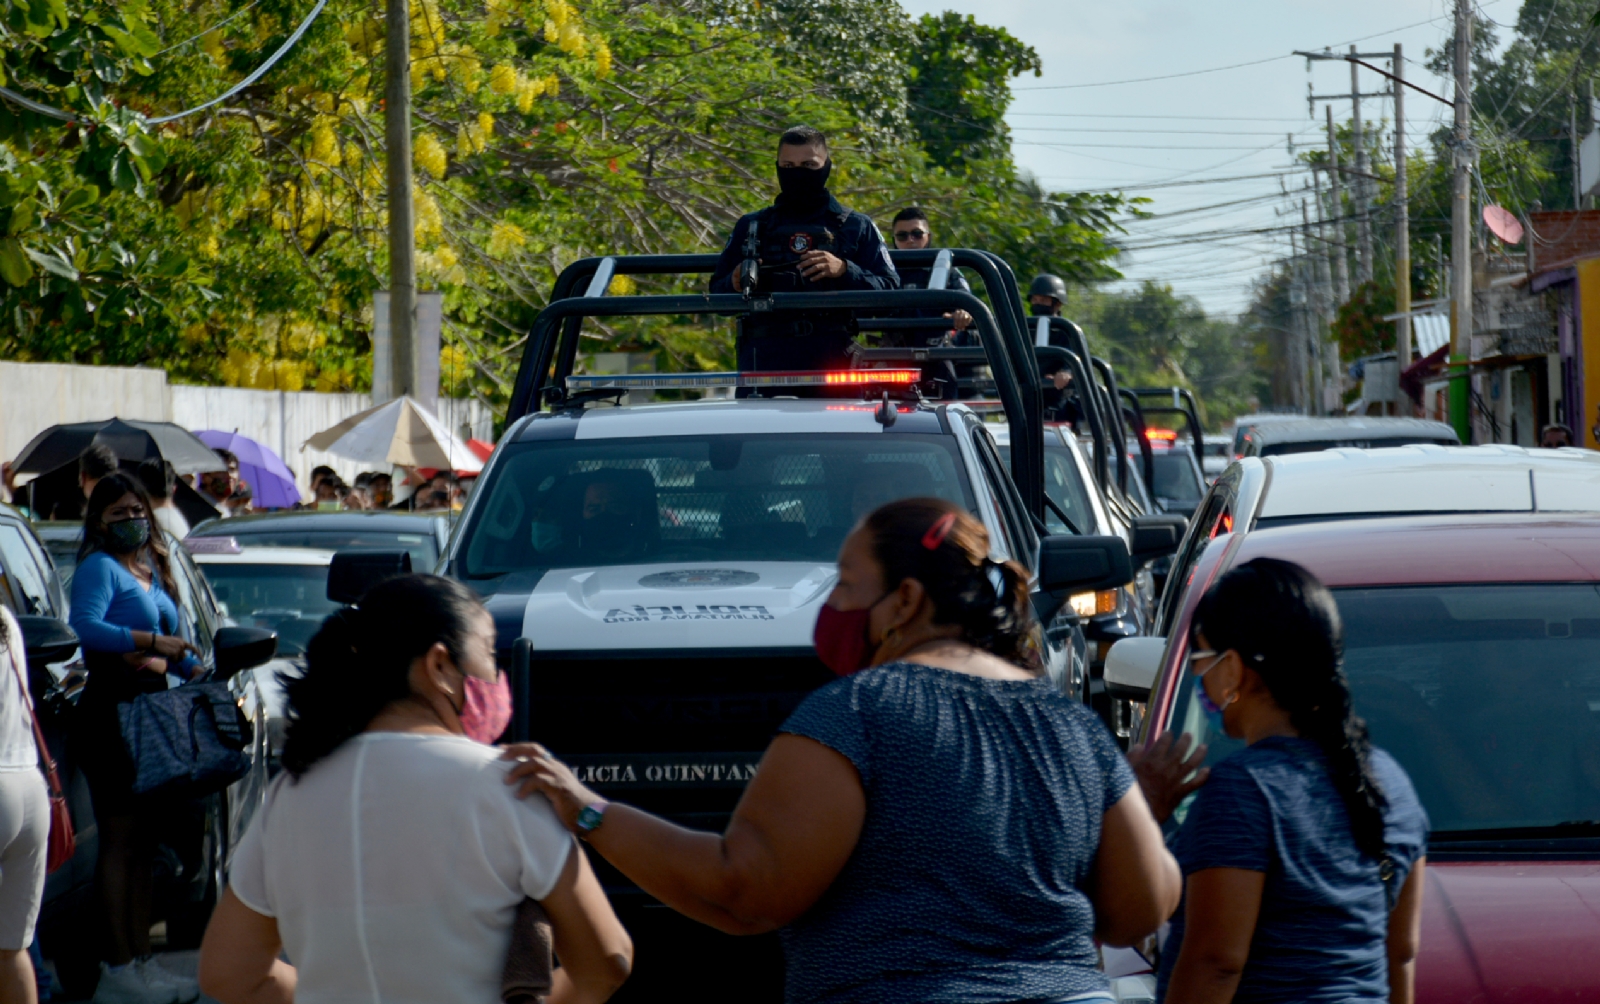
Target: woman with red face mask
x,y
938,825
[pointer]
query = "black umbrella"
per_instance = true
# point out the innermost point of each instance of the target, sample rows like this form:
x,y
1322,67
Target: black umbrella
x,y
131,441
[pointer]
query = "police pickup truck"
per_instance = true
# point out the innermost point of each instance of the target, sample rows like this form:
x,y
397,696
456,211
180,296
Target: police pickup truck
x,y
655,570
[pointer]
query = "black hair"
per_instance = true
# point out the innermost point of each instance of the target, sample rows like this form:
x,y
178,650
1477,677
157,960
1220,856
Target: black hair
x,y
157,477
321,471
803,135
107,491
1284,624
96,461
363,479
359,661
909,213
988,599
1557,427
229,459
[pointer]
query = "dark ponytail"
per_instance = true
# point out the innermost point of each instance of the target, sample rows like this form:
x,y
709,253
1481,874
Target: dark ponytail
x,y
1285,625
946,549
359,662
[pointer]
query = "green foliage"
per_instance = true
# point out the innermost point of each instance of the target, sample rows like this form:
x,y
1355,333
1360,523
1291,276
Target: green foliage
x,y
1359,326
243,244
959,88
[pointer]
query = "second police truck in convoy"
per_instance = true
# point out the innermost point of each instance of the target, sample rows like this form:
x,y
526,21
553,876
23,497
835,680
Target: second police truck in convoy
x,y
655,570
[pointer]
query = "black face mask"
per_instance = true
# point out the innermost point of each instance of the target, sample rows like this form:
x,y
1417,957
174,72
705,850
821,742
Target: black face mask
x,y
804,184
1041,310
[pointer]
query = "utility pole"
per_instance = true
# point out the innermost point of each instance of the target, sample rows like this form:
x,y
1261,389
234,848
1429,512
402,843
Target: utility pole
x,y
1358,185
1319,315
1461,230
1572,143
1341,270
1402,224
402,237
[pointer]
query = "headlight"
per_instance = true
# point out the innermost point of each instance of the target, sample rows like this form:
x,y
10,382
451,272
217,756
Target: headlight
x,y
1090,604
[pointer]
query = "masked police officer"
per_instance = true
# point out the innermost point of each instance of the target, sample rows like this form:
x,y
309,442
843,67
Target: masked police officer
x,y
1047,295
804,242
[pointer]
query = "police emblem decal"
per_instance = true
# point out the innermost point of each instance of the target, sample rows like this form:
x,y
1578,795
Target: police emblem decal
x,y
800,243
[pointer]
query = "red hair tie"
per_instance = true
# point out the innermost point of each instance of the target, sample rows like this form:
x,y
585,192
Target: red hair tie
x,y
938,531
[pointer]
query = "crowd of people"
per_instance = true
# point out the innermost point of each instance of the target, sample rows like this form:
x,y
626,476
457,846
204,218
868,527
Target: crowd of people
x,y
937,825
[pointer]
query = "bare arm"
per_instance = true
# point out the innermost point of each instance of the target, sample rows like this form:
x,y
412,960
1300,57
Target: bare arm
x,y
1219,923
790,836
239,961
1405,934
595,951
1137,884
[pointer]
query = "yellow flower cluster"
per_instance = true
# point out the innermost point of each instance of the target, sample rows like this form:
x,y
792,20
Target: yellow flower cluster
x,y
503,79
246,369
622,285
474,137
366,37
602,58
429,222
211,45
324,142
505,239
430,154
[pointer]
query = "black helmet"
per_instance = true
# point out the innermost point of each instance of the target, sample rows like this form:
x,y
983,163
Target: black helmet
x,y
1049,285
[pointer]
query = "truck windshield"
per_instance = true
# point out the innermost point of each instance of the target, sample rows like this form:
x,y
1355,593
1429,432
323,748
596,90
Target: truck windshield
x,y
1176,477
1487,695
586,503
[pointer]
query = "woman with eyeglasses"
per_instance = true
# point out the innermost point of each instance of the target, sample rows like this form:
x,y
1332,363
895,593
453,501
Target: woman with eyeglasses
x,y
941,824
127,622
1303,853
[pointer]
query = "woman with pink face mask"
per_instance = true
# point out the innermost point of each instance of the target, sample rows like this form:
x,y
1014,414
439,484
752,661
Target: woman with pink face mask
x,y
938,825
388,861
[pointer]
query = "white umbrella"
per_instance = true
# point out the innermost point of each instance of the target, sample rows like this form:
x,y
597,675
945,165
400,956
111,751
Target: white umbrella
x,y
402,432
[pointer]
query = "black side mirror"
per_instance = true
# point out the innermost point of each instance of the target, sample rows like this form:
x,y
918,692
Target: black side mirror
x,y
1082,564
1156,537
46,640
352,573
242,648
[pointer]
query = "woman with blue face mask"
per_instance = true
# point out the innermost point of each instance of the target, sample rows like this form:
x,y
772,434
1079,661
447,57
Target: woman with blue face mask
x,y
1302,854
127,622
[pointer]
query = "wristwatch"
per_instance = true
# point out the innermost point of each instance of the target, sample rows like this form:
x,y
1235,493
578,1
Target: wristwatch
x,y
591,816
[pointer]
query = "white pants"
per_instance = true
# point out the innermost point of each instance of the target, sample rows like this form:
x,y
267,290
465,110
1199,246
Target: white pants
x,y
24,838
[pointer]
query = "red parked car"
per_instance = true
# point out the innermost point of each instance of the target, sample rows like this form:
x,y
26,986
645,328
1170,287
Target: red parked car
x,y
1472,644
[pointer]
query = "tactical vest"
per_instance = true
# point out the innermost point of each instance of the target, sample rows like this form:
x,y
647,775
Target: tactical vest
x,y
780,245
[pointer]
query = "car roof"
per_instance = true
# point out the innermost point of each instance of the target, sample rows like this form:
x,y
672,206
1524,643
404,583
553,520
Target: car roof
x,y
1310,430
712,417
268,556
1418,479
310,519
1405,550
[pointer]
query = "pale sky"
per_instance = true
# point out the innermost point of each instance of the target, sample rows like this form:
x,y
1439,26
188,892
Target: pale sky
x,y
1207,125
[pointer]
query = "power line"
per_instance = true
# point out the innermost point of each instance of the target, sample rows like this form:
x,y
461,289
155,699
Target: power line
x,y
1147,132
1186,118
236,14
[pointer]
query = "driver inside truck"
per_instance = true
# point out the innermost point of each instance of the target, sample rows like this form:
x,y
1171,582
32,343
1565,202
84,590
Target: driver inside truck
x,y
805,242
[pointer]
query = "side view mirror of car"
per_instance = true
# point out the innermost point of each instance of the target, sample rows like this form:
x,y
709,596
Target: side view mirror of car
x,y
242,648
46,640
1081,564
1131,667
1156,537
352,573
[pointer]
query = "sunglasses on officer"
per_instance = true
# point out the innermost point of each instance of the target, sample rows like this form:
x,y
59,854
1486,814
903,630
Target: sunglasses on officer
x,y
910,235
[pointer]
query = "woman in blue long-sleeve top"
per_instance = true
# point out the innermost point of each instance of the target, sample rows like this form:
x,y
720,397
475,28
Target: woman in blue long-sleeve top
x,y
127,622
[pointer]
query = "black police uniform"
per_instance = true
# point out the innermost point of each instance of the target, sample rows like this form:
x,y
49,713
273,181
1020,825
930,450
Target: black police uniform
x,y
1059,405
809,340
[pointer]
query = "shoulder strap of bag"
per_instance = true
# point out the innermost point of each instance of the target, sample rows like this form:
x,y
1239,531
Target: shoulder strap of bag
x,y
51,778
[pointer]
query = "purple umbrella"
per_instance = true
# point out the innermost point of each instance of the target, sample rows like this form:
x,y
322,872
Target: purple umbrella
x,y
270,480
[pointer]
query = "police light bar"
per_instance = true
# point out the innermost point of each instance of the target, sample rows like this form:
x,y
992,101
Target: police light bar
x,y
772,378
1166,435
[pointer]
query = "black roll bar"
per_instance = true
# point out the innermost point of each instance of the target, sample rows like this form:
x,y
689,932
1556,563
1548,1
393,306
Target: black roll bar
x,y
1146,455
1114,398
554,336
1190,409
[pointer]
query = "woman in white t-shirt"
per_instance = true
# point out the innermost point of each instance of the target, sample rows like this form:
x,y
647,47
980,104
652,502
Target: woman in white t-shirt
x,y
388,861
24,820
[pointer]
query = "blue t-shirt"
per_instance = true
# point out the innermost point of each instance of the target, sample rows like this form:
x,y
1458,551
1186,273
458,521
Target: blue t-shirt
x,y
984,805
109,604
1320,936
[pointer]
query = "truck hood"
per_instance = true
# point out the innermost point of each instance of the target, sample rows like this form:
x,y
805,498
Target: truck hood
x,y
743,604
1504,932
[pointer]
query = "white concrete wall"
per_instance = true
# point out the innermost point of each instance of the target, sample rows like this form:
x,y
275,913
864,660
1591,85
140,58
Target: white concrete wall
x,y
35,396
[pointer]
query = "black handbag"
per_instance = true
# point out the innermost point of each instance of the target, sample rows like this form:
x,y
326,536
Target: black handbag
x,y
186,742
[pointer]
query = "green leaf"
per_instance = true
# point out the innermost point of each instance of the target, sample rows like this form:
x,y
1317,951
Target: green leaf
x,y
53,263
172,267
23,216
14,265
78,198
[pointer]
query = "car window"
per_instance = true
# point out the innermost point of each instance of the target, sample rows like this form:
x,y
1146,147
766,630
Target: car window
x,y
1175,476
194,605
1065,488
1487,695
1213,517
579,503
26,572
289,599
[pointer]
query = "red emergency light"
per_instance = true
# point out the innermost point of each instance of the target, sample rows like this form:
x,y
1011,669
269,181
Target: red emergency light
x,y
763,378
1164,435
